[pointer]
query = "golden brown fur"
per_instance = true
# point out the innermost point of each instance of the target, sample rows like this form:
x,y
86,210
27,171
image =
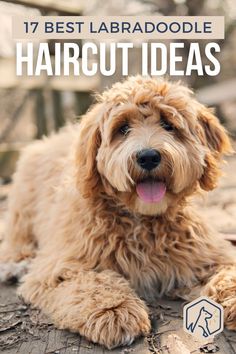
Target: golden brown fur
x,y
95,245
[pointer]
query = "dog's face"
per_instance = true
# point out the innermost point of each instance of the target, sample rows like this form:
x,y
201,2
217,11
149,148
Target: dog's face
x,y
148,144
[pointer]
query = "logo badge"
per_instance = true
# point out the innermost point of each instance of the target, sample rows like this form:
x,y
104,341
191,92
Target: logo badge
x,y
203,318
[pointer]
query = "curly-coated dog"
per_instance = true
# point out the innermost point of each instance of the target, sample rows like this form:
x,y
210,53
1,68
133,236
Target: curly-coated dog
x,y
102,212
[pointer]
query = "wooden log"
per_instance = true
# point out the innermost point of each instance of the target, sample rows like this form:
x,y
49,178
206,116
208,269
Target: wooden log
x,y
40,114
59,120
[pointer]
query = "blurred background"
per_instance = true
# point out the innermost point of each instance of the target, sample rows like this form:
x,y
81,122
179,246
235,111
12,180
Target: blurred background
x,y
32,107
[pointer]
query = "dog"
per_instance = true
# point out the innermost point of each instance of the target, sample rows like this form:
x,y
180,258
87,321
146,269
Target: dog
x,y
101,213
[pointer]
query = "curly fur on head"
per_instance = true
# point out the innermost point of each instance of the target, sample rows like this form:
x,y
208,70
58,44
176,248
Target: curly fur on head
x,y
104,226
191,152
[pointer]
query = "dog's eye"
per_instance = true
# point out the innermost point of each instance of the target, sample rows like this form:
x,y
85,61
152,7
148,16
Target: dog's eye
x,y
166,125
124,129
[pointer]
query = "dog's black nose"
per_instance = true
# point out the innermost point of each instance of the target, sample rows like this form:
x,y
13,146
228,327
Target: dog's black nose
x,y
148,159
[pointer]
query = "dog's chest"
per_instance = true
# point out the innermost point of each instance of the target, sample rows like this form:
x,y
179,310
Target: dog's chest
x,y
140,253
154,256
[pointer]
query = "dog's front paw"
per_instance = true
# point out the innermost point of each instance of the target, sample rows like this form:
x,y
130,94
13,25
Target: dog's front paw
x,y
222,289
118,326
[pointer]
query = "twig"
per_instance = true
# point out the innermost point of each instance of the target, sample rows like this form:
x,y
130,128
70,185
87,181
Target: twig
x,y
13,325
168,330
14,310
10,304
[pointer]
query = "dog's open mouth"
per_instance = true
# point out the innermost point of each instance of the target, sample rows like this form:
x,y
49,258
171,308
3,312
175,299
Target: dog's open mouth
x,y
151,190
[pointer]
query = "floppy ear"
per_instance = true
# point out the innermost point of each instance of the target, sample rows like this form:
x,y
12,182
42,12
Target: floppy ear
x,y
214,136
88,178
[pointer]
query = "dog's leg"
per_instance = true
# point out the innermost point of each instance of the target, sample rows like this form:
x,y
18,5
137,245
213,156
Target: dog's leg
x,y
222,288
18,244
17,247
99,305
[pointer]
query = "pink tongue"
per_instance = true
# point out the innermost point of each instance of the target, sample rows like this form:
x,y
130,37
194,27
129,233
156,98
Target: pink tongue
x,y
151,191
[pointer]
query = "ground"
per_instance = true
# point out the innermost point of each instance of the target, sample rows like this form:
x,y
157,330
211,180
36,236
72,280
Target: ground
x,y
24,330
